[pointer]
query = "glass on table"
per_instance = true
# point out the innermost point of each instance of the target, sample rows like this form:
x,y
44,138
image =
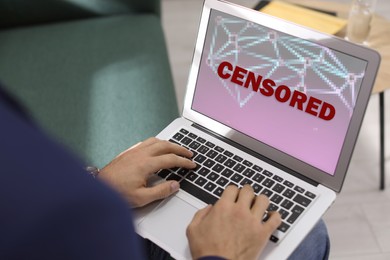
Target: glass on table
x,y
359,20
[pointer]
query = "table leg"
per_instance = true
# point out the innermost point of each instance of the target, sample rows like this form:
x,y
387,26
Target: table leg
x,y
382,139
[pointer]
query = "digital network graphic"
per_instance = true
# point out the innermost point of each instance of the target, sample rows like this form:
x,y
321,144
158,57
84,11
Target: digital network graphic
x,y
301,65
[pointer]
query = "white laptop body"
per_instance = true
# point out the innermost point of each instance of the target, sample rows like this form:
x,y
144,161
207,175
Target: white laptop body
x,y
283,102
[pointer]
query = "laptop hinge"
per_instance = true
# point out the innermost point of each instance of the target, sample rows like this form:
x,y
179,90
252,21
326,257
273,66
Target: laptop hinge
x,y
255,154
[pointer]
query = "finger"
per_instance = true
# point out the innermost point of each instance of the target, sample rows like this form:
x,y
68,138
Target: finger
x,y
140,145
160,191
148,142
260,205
166,147
230,193
246,196
273,222
166,162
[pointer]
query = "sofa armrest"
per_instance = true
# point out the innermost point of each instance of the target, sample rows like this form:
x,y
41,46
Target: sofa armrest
x,y
26,12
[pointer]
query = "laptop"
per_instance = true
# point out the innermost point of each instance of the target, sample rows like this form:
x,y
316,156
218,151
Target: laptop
x,y
271,104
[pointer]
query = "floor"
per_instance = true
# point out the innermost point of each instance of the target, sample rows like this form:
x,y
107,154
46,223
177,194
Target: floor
x,y
359,220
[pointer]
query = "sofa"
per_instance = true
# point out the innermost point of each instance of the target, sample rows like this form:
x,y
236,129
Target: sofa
x,y
94,75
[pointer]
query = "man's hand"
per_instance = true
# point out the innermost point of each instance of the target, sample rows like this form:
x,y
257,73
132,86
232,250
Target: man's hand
x,y
128,172
233,227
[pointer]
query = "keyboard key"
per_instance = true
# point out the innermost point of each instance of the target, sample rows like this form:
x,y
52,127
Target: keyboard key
x,y
222,181
210,186
238,158
258,178
283,213
274,239
256,188
198,166
204,171
221,158
174,169
186,140
299,189
194,145
164,173
276,199
310,195
272,207
239,168
268,183
201,140
278,188
287,204
227,172
203,149
178,136
209,163
257,168
198,192
246,181
302,200
218,191
211,154
297,209
184,131
201,181
193,136
212,176
236,178
210,144
277,178
230,163
267,192
228,154
248,173
219,149
289,193
194,154
191,176
296,212
288,184
182,171
267,173
173,177
247,163
218,168
200,158
283,227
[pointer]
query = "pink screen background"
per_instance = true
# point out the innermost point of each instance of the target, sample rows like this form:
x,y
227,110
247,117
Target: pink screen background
x,y
317,71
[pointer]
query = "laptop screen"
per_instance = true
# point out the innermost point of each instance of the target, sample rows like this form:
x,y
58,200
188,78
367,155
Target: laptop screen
x,y
288,93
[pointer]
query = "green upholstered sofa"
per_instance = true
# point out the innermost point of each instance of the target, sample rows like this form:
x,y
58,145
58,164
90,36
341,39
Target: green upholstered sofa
x,y
93,74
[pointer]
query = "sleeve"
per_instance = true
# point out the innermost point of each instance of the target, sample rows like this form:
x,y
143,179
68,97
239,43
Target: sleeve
x,y
52,209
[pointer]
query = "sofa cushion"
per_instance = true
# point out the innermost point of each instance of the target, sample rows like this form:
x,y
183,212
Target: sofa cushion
x,y
27,12
98,85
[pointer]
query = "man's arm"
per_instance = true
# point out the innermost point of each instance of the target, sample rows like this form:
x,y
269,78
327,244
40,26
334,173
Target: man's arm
x,y
50,208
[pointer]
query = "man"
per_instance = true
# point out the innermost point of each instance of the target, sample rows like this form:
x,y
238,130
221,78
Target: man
x,y
51,209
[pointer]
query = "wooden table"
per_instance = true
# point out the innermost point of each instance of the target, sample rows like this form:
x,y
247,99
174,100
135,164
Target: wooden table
x,y
379,39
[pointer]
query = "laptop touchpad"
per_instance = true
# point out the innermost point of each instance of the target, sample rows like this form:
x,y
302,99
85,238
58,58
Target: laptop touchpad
x,y
167,224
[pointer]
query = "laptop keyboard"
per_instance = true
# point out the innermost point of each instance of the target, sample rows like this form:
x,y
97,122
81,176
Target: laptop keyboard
x,y
217,168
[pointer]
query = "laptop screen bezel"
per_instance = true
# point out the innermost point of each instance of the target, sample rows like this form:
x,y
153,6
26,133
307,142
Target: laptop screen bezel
x,y
334,181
